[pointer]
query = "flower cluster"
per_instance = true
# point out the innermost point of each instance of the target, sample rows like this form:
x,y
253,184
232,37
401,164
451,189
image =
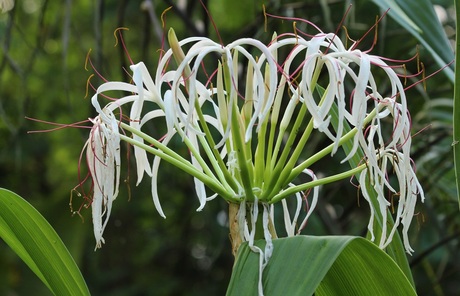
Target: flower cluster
x,y
247,122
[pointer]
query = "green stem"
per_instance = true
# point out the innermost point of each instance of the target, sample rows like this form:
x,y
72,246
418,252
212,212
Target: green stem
x,y
280,164
259,157
286,173
186,166
167,154
302,187
273,123
319,155
274,177
241,155
213,154
237,135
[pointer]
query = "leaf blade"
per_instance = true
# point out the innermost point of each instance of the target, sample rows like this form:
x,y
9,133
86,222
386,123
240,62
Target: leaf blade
x,y
26,231
304,265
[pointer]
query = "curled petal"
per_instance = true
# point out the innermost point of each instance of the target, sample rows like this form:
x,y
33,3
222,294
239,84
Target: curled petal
x,y
103,158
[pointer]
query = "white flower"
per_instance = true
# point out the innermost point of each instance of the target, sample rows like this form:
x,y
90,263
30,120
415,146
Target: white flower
x,y
392,155
103,158
244,145
246,130
6,5
409,189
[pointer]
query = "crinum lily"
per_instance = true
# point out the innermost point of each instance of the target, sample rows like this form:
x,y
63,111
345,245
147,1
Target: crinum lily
x,y
246,133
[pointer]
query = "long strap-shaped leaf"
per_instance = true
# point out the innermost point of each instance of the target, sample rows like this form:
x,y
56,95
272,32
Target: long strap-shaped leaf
x,y
324,265
38,245
456,120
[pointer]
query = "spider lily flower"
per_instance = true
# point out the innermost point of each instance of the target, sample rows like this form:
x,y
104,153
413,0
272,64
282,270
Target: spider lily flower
x,y
393,157
246,114
103,158
408,191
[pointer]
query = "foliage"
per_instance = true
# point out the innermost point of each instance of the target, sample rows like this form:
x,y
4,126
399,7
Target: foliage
x,y
333,265
39,246
456,107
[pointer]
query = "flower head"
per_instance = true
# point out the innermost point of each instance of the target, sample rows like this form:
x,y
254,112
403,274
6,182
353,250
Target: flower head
x,y
246,111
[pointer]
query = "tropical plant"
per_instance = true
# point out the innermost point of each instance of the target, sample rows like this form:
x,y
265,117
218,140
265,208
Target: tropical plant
x,y
255,120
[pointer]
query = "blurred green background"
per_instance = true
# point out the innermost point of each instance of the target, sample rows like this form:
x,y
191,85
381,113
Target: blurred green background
x,y
44,45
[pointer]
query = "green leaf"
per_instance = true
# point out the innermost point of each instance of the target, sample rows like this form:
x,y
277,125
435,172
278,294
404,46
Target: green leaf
x,y
38,245
328,265
419,19
456,111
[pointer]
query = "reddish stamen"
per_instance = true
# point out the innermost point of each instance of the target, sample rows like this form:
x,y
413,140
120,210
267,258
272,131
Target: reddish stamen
x,y
59,125
368,31
163,38
88,60
118,30
213,23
